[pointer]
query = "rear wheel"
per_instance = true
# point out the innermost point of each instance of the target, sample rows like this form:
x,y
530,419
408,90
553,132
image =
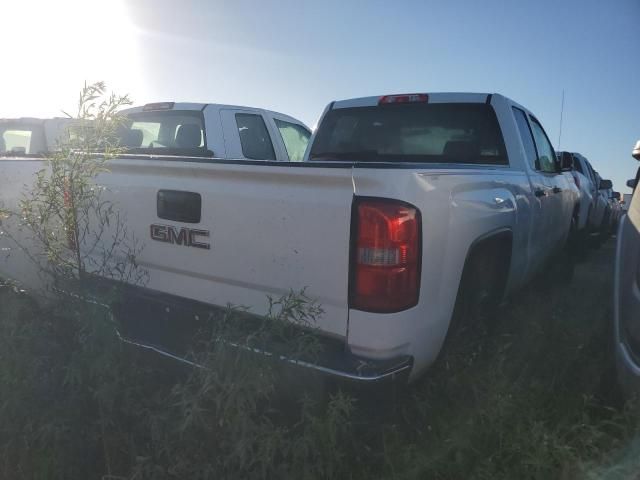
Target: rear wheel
x,y
481,288
474,315
571,254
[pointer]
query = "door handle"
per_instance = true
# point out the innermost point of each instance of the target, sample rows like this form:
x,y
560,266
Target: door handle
x,y
539,192
557,190
179,206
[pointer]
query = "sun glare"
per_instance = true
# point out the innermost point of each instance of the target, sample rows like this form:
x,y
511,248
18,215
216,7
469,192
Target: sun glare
x,y
52,47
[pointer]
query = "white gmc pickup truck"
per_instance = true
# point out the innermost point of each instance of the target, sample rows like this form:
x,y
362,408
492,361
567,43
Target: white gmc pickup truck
x,y
403,207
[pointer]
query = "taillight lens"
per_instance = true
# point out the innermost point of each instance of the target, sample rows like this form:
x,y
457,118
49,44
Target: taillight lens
x,y
386,254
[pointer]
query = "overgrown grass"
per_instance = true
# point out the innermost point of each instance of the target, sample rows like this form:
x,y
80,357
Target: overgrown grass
x,y
534,399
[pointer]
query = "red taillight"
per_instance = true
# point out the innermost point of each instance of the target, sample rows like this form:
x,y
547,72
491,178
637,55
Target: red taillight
x,y
385,260
577,179
404,98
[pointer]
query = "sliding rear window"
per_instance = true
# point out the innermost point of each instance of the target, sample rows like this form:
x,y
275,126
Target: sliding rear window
x,y
172,132
418,132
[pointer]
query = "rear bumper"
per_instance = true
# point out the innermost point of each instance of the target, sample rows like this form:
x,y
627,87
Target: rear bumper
x,y
165,324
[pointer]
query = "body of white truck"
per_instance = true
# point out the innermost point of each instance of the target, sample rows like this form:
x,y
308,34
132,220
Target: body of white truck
x,y
380,237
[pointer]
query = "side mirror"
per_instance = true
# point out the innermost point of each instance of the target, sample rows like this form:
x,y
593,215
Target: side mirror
x,y
616,195
636,151
605,184
631,183
566,162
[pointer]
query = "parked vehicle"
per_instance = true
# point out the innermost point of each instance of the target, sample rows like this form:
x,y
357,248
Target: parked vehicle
x,y
616,210
626,293
406,208
587,190
599,203
30,137
579,225
215,131
602,216
606,187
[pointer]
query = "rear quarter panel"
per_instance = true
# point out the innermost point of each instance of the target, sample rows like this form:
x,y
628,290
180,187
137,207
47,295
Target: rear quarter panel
x,y
458,206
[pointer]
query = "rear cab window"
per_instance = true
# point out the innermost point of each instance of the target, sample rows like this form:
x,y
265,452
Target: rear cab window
x,y
467,133
21,139
170,132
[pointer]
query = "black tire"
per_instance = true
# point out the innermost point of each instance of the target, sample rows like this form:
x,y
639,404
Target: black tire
x,y
566,262
479,295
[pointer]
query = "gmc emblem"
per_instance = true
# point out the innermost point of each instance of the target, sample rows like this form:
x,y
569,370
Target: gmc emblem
x,y
179,236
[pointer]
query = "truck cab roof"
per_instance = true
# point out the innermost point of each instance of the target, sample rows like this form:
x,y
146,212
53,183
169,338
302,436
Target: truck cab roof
x,y
436,97
194,106
428,97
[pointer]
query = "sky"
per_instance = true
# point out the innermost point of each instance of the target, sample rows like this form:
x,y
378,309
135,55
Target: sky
x,y
296,56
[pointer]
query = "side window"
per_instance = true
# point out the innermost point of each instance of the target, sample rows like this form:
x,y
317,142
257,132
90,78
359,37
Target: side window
x,y
254,137
546,155
527,138
295,138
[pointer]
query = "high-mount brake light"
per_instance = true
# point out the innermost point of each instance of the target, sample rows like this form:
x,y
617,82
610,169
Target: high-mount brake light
x,y
386,255
149,107
404,98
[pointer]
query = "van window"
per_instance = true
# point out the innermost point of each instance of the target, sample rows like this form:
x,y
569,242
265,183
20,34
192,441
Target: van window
x,y
417,132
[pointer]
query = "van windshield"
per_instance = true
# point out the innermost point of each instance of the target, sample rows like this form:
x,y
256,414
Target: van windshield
x,y
420,132
174,132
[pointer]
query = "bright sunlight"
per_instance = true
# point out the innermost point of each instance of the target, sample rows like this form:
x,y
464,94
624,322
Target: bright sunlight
x,y
54,46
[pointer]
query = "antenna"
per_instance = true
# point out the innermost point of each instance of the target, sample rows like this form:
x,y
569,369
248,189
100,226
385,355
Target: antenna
x,y
561,115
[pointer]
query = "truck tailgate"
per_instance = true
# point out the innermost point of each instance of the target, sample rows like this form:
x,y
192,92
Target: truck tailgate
x,y
269,229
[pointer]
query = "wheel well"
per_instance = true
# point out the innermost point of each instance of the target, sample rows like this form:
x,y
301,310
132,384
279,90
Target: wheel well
x,y
492,249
